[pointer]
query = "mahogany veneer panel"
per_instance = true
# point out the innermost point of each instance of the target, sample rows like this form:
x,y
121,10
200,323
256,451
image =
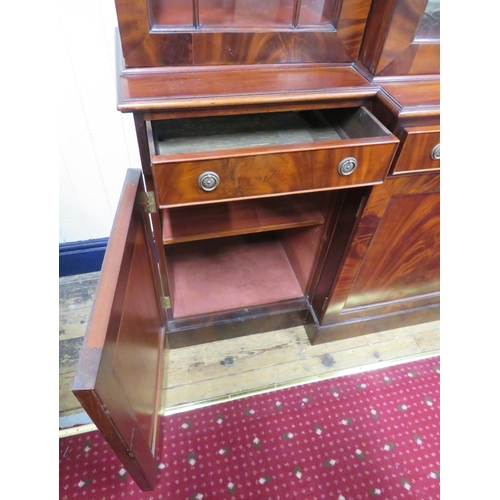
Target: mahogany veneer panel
x,y
270,154
239,217
408,266
408,104
393,261
407,99
150,39
414,154
274,173
417,59
389,46
292,46
230,273
185,88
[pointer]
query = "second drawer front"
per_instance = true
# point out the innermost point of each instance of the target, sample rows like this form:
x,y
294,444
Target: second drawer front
x,y
419,150
270,174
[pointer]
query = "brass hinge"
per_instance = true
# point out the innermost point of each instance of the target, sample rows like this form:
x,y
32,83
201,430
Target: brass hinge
x,y
167,303
148,202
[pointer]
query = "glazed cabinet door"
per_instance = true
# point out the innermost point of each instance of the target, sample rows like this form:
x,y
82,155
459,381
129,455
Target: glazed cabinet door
x,y
392,263
219,32
119,372
402,37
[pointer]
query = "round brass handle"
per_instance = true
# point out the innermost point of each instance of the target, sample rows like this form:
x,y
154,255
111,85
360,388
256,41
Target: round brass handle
x,y
347,166
436,152
208,181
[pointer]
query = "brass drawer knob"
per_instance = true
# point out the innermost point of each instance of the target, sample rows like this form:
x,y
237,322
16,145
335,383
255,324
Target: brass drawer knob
x,y
208,181
436,153
347,166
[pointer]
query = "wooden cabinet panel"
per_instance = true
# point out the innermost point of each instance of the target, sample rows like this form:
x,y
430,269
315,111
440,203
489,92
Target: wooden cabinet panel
x,y
217,220
203,36
419,150
270,174
392,264
403,258
392,45
120,367
267,154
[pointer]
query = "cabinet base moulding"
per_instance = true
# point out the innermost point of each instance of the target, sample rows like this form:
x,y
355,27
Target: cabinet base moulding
x,y
339,331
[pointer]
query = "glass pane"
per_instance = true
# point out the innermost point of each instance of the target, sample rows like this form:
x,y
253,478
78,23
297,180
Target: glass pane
x,y
172,12
429,25
314,12
246,12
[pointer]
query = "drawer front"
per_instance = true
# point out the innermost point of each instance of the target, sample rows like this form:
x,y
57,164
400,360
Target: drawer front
x,y
274,173
419,150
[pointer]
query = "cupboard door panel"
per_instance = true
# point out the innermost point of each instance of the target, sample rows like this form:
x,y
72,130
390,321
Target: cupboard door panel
x,y
403,259
120,367
393,261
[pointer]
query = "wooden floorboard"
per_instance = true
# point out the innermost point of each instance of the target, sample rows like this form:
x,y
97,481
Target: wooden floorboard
x,y
231,368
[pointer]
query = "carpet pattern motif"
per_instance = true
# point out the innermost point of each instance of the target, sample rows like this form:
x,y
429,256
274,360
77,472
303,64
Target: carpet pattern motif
x,y
363,436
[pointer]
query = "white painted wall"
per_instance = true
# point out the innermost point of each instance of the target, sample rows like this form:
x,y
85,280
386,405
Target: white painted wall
x,y
97,143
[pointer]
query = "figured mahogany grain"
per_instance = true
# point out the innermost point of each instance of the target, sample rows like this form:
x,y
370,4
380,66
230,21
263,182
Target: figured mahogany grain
x,y
181,36
274,173
394,255
351,24
416,59
140,47
282,47
414,154
389,46
403,260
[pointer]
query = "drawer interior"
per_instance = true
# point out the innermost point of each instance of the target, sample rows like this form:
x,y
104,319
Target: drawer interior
x,y
184,136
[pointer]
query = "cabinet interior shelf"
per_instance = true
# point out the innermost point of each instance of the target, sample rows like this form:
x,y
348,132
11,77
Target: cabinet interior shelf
x,y
217,220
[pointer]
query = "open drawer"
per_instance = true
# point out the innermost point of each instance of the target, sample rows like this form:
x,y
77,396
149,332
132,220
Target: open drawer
x,y
222,158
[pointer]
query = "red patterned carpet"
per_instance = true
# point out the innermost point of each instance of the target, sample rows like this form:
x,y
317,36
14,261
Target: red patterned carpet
x,y
368,435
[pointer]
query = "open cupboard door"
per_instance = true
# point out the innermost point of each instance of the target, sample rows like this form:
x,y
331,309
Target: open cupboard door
x,y
120,369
